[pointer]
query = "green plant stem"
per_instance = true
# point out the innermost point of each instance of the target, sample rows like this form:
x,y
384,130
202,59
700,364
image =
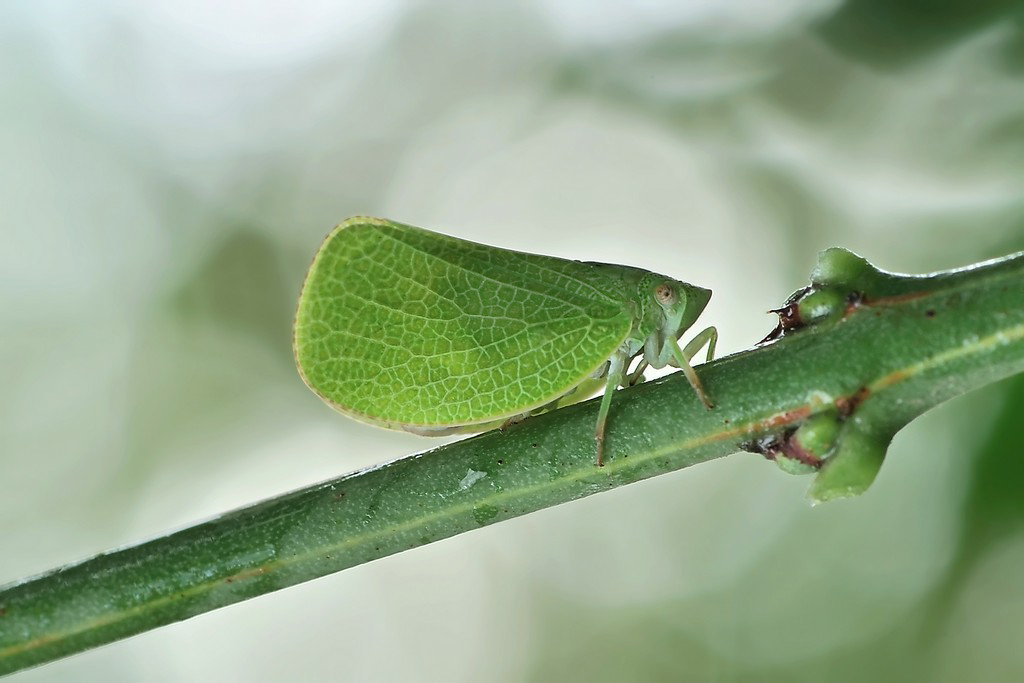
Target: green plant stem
x,y
913,343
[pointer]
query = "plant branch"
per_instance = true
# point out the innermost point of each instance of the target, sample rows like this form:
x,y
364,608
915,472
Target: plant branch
x,y
860,354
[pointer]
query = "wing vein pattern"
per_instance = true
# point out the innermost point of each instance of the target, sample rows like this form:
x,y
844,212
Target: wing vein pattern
x,y
404,326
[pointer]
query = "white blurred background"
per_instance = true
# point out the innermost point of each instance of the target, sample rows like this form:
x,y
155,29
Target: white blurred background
x,y
167,170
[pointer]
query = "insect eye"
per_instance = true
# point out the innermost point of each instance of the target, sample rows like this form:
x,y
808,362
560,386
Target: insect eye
x,y
664,294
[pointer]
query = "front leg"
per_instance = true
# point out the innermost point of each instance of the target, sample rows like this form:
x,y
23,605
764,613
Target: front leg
x,y
707,336
681,359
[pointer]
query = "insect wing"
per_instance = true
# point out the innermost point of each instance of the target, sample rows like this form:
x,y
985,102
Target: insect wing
x,y
400,326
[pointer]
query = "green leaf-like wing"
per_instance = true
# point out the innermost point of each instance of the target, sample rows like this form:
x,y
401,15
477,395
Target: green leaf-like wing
x,y
403,327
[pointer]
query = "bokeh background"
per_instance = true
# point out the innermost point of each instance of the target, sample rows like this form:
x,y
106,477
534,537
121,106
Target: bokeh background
x,y
167,171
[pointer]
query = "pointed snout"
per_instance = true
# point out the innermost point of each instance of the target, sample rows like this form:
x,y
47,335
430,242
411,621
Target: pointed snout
x,y
696,301
697,297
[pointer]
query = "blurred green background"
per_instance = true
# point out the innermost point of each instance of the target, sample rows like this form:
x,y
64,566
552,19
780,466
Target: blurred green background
x,y
167,171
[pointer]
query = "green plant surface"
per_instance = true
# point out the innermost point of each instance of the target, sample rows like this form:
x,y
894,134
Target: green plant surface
x,y
831,392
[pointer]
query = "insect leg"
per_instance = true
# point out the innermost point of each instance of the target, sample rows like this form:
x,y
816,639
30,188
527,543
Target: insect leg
x,y
681,359
514,420
707,336
616,369
637,375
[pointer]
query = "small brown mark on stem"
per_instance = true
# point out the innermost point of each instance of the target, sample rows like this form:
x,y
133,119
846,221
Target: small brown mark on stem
x,y
854,300
789,316
246,574
791,449
767,446
784,443
847,404
788,417
892,300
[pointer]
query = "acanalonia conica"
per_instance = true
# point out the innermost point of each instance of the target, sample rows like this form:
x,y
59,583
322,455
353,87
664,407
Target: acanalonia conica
x,y
409,329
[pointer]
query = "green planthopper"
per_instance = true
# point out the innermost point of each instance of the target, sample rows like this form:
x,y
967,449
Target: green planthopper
x,y
410,329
